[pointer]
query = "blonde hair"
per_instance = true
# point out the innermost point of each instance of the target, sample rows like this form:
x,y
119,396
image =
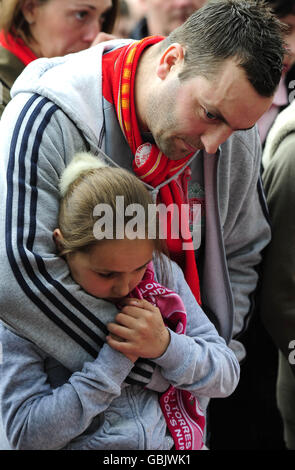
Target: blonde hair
x,y
12,19
87,182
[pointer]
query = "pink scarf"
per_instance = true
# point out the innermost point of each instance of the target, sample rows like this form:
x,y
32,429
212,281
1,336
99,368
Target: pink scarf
x,y
184,418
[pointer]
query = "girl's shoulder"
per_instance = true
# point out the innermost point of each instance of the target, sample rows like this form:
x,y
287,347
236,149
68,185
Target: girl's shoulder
x,y
167,272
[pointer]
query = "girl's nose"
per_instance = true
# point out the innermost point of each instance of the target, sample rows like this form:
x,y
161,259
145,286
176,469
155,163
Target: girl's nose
x,y
121,289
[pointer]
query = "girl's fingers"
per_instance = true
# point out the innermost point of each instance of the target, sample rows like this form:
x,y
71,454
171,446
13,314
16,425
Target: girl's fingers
x,y
121,331
123,318
140,303
123,347
134,307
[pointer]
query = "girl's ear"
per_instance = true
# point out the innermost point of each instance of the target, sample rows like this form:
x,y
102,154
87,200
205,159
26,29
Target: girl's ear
x,y
58,239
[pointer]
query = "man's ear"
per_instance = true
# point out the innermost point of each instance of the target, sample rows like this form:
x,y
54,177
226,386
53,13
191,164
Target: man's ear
x,y
58,239
29,9
172,57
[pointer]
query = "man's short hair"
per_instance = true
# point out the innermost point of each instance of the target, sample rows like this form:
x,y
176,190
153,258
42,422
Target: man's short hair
x,y
244,30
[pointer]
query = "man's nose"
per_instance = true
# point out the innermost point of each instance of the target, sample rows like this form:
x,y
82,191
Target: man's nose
x,y
213,138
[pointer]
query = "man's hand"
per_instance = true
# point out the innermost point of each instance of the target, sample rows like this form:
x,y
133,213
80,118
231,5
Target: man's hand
x,y
140,329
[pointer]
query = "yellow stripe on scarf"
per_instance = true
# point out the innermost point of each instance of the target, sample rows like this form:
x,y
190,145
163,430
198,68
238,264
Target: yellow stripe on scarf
x,y
154,167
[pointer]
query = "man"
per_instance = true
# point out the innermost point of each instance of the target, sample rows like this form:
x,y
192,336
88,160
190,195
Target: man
x,y
163,17
186,108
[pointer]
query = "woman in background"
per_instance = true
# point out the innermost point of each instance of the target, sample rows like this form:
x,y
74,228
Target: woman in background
x,y
30,29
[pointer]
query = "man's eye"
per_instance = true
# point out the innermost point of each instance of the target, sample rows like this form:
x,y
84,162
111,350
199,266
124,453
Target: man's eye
x,y
210,116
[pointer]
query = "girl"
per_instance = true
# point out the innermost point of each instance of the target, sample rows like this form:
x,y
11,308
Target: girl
x,y
45,406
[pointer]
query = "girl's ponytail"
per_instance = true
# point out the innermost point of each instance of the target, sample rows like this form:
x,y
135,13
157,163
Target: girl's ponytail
x,y
81,163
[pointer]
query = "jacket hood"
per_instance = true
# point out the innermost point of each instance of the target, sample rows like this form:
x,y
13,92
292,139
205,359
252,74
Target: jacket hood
x,y
73,83
283,125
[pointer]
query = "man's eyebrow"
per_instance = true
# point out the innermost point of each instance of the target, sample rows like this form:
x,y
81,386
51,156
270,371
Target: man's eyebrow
x,y
217,113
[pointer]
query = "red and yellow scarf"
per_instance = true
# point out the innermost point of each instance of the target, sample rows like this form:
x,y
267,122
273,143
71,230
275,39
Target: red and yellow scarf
x,y
149,164
17,47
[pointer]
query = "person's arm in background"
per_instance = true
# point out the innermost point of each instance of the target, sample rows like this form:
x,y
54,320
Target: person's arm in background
x,y
278,276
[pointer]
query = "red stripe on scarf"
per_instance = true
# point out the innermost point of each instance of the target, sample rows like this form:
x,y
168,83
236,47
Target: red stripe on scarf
x,y
119,68
17,47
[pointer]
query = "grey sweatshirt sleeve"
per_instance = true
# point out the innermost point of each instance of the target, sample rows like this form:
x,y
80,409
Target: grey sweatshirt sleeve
x,y
200,360
35,414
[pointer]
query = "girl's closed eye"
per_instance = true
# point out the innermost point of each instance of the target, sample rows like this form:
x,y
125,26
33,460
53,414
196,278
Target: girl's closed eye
x,y
111,274
105,275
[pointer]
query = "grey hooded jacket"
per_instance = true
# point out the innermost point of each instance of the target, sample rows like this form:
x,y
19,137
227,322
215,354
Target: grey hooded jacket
x,y
57,110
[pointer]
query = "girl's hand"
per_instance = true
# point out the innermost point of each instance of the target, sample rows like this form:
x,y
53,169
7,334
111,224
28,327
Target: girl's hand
x,y
131,357
140,329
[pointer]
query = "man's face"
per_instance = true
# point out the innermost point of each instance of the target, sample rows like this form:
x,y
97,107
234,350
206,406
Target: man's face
x,y
197,113
171,13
